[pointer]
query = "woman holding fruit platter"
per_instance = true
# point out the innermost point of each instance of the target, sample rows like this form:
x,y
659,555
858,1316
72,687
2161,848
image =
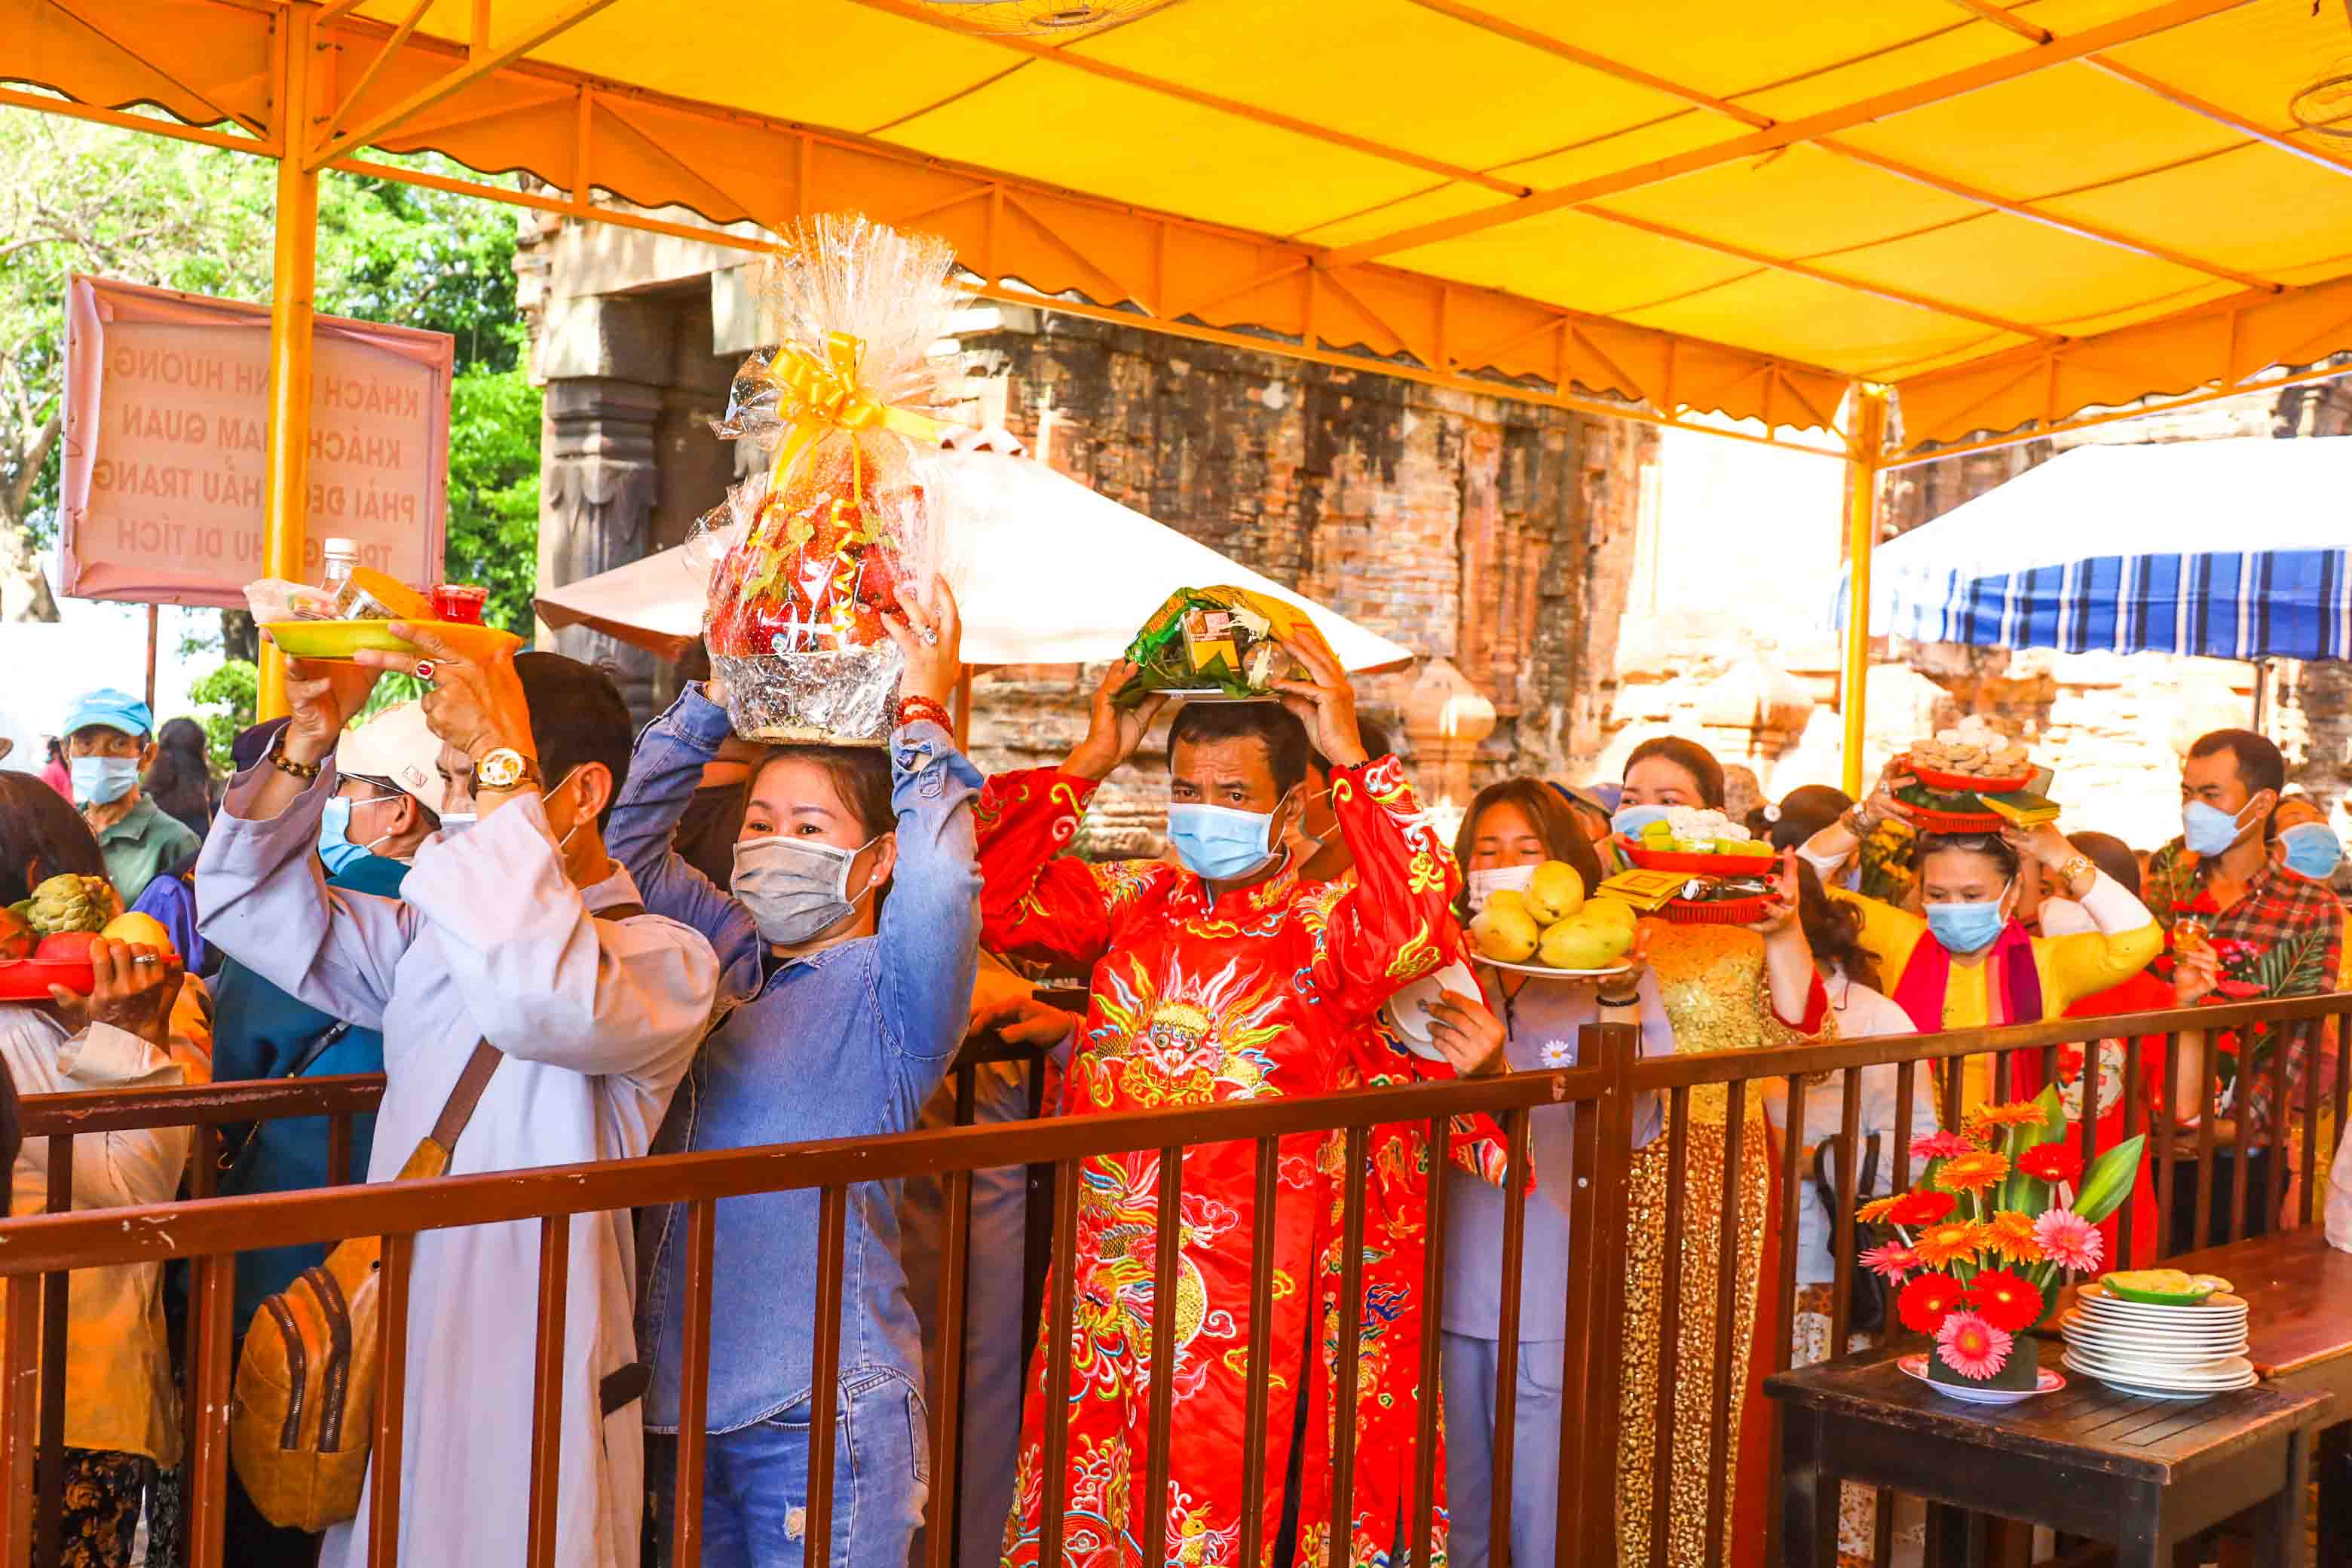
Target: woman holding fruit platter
x,y
1724,987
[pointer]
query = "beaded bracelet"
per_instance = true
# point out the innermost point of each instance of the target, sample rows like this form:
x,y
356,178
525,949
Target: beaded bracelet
x,y
914,709
306,772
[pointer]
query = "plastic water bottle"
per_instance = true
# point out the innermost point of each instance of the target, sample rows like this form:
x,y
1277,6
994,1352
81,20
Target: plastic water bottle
x,y
343,554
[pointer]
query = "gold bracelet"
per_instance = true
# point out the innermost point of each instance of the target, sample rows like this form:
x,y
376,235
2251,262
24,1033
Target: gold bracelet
x,y
306,772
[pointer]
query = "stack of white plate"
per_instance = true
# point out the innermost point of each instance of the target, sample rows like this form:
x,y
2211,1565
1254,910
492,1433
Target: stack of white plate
x,y
2159,1353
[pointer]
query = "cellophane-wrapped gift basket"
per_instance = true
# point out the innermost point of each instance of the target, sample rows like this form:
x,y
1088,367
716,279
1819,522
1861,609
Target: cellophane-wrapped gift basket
x,y
814,551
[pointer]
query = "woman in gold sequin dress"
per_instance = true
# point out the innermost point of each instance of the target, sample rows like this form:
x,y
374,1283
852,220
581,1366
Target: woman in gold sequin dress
x,y
1721,995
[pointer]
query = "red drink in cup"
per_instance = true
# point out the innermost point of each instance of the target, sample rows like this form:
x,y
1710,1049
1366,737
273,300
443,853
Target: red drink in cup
x,y
459,602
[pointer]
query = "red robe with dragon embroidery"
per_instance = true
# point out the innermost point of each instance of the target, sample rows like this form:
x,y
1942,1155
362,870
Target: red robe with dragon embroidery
x,y
1271,991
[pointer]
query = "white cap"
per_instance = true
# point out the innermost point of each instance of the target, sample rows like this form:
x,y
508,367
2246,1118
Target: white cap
x,y
340,547
397,747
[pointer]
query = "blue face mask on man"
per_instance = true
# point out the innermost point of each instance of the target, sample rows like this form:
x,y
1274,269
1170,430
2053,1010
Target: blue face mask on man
x,y
1968,927
1218,843
1630,820
2208,829
335,845
102,781
2311,849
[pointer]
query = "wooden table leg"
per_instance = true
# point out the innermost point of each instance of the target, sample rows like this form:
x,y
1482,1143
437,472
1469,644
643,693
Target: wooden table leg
x,y
1958,1537
2146,1544
2278,1523
1809,1497
2335,1465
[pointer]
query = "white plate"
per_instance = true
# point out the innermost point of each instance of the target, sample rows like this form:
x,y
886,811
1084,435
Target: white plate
x,y
1546,971
2074,1328
2046,1381
2229,1371
1408,1011
2109,1307
2151,1391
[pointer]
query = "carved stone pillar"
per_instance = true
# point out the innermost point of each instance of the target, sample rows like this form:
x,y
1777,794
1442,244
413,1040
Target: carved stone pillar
x,y
599,478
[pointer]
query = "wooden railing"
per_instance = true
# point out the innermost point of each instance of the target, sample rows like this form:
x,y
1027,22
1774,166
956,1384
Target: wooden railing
x,y
1603,1094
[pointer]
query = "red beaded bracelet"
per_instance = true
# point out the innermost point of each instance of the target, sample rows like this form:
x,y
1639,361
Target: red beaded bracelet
x,y
914,709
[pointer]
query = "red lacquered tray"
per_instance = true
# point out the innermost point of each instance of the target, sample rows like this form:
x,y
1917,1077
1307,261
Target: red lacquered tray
x,y
29,979
1697,865
1723,912
1968,784
1929,819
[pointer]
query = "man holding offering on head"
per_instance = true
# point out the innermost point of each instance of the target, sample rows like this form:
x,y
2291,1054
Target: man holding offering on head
x,y
517,964
1228,977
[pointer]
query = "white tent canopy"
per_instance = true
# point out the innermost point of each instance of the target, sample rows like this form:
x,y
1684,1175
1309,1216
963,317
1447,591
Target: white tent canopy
x,y
1043,570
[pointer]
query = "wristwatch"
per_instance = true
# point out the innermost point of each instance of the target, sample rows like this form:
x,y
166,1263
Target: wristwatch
x,y
506,769
2075,865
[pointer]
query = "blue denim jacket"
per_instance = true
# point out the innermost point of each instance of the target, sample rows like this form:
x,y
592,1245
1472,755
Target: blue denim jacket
x,y
848,1043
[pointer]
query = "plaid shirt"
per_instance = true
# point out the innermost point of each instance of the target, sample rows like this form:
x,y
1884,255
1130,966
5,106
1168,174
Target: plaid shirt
x,y
2284,937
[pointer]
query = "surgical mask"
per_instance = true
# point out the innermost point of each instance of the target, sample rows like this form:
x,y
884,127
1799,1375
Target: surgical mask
x,y
1219,843
102,781
335,845
795,888
2207,830
1485,884
1967,927
454,822
563,842
2312,849
1630,819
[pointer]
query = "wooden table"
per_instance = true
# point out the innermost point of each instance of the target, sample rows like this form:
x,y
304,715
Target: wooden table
x,y
2298,1292
2141,1474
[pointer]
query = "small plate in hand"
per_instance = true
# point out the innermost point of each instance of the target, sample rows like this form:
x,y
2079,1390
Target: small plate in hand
x,y
1407,1012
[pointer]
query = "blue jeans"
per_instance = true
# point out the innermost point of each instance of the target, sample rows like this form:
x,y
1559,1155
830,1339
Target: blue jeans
x,y
755,1481
1470,1368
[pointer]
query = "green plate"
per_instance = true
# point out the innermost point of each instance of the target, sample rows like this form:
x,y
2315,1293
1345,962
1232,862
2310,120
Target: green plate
x,y
341,639
2199,1287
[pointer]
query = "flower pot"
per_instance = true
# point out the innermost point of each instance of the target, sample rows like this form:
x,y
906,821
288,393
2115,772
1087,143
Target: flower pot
x,y
2018,1374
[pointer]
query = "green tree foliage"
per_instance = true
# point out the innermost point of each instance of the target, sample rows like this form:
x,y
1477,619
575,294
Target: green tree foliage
x,y
235,689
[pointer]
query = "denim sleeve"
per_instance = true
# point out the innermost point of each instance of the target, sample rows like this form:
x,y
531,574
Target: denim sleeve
x,y
664,772
931,922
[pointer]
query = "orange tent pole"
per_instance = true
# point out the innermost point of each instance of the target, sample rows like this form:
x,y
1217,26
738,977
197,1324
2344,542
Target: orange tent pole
x,y
1869,438
293,286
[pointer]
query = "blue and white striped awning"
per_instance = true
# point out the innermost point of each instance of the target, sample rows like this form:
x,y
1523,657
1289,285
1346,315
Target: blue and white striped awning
x,y
2232,548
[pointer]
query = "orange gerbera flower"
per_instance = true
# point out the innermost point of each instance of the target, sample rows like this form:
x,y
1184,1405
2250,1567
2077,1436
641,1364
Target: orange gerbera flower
x,y
2012,1235
1948,1242
1877,1209
1971,1172
2018,1113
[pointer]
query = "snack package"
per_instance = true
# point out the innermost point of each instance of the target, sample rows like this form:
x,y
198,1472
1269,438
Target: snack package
x,y
276,599
813,552
1218,643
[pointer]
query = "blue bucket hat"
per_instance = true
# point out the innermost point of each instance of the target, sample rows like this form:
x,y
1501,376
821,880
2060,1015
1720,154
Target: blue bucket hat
x,y
115,709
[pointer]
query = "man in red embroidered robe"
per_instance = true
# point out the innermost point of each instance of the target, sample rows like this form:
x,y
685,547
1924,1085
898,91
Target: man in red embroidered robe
x,y
1226,978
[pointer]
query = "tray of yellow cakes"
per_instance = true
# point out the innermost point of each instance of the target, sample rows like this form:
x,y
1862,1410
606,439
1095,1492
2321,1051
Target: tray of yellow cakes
x,y
1696,867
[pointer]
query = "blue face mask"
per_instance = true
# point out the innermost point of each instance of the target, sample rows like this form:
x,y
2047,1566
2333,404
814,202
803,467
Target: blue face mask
x,y
335,846
1630,819
1219,843
454,822
102,781
2207,830
1968,927
2312,849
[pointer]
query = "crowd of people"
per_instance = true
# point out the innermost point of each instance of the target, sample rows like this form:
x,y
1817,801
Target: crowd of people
x,y
604,941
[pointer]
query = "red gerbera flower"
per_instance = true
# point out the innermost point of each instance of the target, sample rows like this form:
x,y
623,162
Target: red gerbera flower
x,y
2059,1161
1913,1210
2005,1301
1928,1301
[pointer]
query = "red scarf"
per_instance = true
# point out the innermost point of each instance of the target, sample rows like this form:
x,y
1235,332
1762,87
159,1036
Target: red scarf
x,y
2013,991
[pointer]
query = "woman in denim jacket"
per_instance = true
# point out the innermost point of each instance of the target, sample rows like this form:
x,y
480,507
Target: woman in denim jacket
x,y
845,1019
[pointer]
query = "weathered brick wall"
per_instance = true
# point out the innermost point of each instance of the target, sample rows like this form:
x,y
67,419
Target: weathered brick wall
x,y
1472,528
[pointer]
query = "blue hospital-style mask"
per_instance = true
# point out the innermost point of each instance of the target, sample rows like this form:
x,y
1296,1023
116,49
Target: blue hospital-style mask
x,y
1219,843
1630,820
2207,830
1969,927
2312,849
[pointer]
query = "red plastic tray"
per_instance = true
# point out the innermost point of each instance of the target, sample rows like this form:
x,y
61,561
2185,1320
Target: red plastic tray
x,y
29,979
1968,784
1929,819
1697,865
1723,912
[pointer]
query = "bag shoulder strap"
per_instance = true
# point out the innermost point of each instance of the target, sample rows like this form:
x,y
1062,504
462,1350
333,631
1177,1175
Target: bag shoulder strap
x,y
479,1067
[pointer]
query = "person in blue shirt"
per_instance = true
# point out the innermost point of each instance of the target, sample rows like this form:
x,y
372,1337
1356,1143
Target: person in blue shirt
x,y
847,1010
394,789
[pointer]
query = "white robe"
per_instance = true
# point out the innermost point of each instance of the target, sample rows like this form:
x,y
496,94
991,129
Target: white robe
x,y
598,1021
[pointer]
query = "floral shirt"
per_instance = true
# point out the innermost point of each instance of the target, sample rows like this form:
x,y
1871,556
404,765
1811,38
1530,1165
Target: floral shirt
x,y
2282,938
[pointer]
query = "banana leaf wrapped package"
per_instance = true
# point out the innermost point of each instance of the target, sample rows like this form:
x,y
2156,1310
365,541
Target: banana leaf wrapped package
x,y
1219,643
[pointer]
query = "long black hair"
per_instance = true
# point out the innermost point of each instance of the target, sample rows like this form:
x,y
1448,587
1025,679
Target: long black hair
x,y
40,837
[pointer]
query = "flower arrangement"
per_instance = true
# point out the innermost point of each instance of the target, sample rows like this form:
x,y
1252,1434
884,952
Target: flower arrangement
x,y
2003,1209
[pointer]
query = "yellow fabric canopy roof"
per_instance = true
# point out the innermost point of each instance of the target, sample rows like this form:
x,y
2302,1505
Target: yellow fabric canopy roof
x,y
2012,214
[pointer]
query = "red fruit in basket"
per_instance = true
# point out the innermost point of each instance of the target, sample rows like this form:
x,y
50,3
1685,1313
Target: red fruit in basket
x,y
18,938
66,947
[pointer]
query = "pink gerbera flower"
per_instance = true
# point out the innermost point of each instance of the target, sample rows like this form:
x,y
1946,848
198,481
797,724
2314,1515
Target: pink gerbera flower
x,y
1942,1146
1972,1347
2069,1240
1891,1262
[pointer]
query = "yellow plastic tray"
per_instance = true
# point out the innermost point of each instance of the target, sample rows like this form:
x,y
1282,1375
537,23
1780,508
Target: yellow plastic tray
x,y
342,640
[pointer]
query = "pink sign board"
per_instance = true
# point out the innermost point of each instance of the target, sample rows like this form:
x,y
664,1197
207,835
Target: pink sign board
x,y
166,455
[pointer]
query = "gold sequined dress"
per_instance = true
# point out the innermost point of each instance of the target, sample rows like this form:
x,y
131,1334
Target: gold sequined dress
x,y
1712,980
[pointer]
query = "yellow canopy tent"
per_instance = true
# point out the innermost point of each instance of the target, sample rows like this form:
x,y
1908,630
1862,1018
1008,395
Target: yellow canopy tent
x,y
1879,229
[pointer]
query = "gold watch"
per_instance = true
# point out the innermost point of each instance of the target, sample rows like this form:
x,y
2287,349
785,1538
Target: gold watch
x,y
2075,865
506,769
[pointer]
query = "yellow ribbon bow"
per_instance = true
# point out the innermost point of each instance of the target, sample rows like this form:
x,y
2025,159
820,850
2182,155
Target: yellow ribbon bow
x,y
818,395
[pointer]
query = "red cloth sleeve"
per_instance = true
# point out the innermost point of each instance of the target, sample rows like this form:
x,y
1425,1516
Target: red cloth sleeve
x,y
1038,905
1395,923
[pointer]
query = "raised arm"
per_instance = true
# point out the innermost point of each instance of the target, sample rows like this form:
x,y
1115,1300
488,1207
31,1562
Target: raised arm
x,y
664,772
930,923
2087,963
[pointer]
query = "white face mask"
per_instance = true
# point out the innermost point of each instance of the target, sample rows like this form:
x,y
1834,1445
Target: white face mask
x,y
796,888
1485,884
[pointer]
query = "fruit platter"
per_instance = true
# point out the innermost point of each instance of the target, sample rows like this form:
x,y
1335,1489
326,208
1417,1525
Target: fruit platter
x,y
1552,930
1971,778
45,940
1727,875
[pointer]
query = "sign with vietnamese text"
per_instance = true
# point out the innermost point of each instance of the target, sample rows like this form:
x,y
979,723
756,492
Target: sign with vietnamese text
x,y
165,448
